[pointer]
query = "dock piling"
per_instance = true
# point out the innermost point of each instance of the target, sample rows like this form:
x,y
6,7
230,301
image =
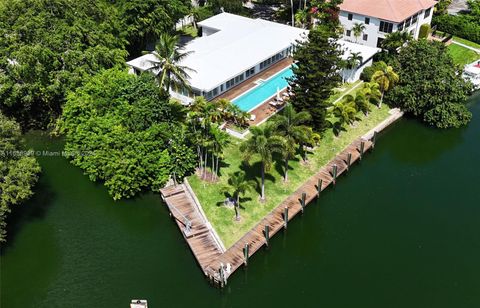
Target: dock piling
x,y
374,138
362,149
319,187
302,201
334,173
267,234
245,254
285,218
349,160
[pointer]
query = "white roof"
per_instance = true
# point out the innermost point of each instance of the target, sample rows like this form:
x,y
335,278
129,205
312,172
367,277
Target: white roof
x,y
365,51
240,44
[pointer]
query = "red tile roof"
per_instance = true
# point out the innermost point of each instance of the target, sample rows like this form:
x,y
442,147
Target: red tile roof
x,y
392,10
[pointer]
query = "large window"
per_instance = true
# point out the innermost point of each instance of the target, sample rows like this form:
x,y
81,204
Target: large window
x,y
427,12
367,20
350,16
271,60
249,72
414,18
386,27
408,22
400,26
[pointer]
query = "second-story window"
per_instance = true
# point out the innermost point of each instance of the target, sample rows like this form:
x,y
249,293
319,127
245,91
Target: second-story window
x,y
427,12
414,18
365,37
350,16
348,32
400,26
386,27
408,22
367,20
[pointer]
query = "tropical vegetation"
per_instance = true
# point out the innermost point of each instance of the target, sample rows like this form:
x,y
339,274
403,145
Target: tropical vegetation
x,y
430,85
18,170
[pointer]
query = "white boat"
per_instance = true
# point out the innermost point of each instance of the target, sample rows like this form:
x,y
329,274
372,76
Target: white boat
x,y
138,303
472,73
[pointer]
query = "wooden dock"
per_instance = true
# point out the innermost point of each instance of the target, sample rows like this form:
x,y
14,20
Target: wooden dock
x,y
202,242
194,227
216,262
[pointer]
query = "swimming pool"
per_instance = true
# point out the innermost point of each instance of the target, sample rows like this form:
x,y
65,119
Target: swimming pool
x,y
266,89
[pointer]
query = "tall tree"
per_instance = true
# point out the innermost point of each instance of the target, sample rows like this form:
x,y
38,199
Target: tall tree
x,y
263,143
393,41
240,185
353,61
358,29
431,87
49,48
291,125
18,172
146,20
167,67
316,74
386,79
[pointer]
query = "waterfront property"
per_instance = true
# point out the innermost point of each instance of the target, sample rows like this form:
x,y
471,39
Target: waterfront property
x,y
231,49
381,17
234,51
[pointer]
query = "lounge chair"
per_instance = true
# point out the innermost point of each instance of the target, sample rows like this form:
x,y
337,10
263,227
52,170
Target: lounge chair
x,y
273,103
253,117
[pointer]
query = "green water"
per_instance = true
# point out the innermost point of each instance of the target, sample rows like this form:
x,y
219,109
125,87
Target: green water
x,y
401,230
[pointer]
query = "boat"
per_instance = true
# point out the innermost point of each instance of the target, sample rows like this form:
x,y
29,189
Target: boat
x,y
138,303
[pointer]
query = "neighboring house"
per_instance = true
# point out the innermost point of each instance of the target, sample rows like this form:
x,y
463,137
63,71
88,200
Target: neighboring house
x,y
366,52
381,17
231,49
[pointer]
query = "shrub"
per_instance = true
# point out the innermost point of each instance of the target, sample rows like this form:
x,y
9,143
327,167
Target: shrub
x,y
368,72
459,25
424,31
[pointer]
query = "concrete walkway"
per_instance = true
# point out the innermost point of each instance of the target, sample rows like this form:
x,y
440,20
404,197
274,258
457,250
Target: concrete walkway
x,y
466,46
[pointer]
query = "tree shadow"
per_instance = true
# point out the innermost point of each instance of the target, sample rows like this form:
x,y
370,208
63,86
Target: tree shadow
x,y
253,173
33,209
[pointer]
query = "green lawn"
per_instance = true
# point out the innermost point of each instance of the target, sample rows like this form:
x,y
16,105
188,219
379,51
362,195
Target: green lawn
x,y
466,42
211,196
462,55
344,89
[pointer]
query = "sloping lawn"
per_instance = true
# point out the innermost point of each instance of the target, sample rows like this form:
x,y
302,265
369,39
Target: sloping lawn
x,y
462,55
212,195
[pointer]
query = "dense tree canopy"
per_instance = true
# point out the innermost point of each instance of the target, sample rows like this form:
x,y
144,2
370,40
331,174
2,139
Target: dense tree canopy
x,y
120,129
48,47
146,20
316,74
18,170
430,85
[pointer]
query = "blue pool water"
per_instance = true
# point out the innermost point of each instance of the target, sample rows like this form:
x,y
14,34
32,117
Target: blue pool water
x,y
268,88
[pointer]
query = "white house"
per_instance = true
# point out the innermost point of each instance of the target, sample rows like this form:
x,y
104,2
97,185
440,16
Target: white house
x,y
234,48
231,49
381,17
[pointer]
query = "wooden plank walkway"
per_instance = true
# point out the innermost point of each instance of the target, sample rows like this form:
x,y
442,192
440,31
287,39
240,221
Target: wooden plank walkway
x,y
255,238
198,235
202,239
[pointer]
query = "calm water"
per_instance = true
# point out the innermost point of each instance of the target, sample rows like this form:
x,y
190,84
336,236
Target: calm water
x,y
251,99
401,230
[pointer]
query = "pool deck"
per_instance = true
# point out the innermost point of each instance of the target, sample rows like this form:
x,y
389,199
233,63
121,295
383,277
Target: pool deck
x,y
263,111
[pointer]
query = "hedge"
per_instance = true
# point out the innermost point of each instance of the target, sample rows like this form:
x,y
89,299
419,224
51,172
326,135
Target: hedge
x,y
460,26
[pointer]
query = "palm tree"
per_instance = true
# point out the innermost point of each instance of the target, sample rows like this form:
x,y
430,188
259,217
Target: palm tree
x,y
166,66
290,125
220,140
386,79
353,61
393,41
358,29
361,103
263,143
240,185
341,113
372,93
